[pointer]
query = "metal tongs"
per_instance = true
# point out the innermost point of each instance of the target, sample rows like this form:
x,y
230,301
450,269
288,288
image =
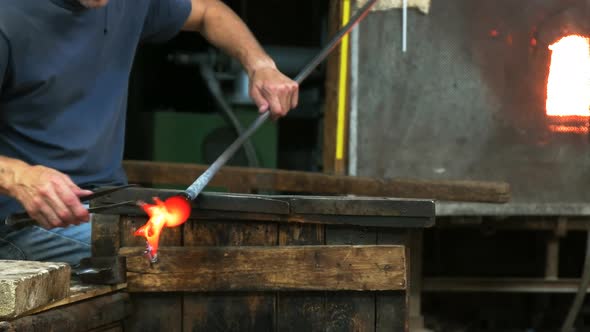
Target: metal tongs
x,y
22,220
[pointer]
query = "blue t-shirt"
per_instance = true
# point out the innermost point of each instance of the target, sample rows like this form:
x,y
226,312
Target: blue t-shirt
x,y
64,71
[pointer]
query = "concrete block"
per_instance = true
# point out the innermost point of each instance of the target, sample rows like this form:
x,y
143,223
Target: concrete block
x,y
26,285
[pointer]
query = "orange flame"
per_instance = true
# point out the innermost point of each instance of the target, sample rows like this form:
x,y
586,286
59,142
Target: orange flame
x,y
568,88
171,213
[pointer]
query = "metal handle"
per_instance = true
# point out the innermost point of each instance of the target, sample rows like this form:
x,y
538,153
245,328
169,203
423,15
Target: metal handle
x,y
195,189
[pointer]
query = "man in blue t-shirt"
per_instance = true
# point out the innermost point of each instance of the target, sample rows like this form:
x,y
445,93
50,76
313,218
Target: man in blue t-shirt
x,y
64,70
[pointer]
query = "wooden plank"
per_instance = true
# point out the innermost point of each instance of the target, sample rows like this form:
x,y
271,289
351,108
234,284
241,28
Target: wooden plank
x,y
284,268
155,312
152,311
80,292
82,316
392,314
415,278
320,184
229,311
229,233
105,235
302,311
347,311
27,285
116,327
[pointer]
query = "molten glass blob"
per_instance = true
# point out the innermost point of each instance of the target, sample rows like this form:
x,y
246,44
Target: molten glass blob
x,y
170,213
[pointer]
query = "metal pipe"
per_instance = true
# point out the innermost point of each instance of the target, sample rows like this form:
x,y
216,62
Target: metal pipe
x,y
354,86
405,26
195,189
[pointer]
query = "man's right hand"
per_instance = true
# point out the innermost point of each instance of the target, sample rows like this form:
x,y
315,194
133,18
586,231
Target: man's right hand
x,y
50,197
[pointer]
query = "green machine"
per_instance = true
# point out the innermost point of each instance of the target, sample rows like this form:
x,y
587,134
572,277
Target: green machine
x,y
201,137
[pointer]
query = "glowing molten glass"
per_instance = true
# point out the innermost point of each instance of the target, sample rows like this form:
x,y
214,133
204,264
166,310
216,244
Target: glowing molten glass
x,y
568,88
170,213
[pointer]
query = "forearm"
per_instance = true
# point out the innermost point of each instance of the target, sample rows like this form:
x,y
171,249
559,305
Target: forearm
x,y
9,172
224,29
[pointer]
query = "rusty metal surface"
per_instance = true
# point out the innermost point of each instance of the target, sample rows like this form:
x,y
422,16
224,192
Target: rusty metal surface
x,y
467,101
361,211
359,206
102,270
444,209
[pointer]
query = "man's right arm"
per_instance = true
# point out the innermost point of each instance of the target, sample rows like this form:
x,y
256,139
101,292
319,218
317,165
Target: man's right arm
x,y
49,196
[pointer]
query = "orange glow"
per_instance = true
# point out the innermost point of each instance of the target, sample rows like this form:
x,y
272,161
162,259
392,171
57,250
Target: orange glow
x,y
171,213
569,129
568,88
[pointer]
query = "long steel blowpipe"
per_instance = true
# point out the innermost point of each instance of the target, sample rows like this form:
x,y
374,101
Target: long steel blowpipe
x,y
195,189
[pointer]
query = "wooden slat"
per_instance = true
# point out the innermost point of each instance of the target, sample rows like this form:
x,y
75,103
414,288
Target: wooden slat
x,y
359,268
347,311
78,293
152,311
82,316
105,235
320,184
392,307
227,311
155,312
117,327
302,311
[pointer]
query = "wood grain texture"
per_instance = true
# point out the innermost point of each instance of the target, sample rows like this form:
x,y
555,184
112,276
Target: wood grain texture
x,y
82,316
229,311
152,311
392,314
284,268
80,292
105,235
321,184
346,311
301,311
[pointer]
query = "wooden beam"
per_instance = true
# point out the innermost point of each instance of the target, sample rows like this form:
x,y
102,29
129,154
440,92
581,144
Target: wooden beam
x,y
80,292
83,316
284,268
159,173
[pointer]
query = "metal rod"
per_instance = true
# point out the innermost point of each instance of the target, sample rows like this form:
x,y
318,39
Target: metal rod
x,y
195,189
354,87
405,27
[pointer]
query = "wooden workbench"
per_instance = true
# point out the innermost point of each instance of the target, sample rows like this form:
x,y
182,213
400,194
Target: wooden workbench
x,y
268,263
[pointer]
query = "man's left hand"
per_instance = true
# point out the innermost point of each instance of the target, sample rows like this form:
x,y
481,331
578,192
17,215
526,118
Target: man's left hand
x,y
271,90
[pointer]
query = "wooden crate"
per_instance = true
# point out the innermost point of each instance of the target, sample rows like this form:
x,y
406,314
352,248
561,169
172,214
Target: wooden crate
x,y
268,263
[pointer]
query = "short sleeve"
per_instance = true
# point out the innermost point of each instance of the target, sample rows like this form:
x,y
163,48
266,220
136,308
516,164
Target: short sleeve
x,y
165,18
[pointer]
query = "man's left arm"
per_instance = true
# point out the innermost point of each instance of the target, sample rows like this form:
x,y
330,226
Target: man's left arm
x,y
269,88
